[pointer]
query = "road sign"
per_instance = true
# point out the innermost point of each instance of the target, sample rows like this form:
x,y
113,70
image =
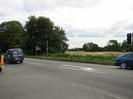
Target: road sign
x,y
38,48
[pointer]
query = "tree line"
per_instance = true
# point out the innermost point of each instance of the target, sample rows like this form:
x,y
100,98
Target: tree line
x,y
112,45
39,34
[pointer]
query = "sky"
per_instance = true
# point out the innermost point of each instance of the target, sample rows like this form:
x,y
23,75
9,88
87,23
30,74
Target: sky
x,y
84,21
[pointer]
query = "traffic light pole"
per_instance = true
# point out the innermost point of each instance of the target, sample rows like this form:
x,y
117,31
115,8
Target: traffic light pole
x,y
132,41
129,38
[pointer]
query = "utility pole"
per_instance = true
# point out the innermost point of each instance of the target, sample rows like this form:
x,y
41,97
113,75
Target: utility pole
x,y
61,45
47,47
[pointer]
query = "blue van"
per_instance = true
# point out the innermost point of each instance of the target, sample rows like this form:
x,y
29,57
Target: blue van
x,y
14,55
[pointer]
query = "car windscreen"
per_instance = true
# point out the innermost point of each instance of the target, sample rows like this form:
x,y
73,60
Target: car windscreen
x,y
17,52
129,56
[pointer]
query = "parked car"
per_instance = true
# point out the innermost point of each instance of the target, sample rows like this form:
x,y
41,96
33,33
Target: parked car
x,y
14,55
125,61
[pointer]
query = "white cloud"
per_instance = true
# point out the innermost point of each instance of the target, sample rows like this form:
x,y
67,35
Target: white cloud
x,y
30,5
83,21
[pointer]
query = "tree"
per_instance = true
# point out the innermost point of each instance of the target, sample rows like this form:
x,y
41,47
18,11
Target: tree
x,y
125,46
11,35
42,32
113,45
90,46
60,40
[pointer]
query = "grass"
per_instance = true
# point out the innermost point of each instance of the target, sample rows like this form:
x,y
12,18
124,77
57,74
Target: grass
x,y
107,53
107,58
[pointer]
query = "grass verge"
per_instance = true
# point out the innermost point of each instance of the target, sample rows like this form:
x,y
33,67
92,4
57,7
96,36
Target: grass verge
x,y
96,59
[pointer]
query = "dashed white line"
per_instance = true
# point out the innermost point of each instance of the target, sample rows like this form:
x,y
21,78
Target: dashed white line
x,y
87,69
71,66
68,68
112,66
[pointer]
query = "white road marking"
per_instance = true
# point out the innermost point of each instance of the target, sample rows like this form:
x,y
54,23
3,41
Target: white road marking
x,y
96,65
112,66
68,68
80,68
33,63
87,69
71,66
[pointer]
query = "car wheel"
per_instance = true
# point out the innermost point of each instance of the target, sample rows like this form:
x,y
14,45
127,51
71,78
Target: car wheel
x,y
21,61
123,66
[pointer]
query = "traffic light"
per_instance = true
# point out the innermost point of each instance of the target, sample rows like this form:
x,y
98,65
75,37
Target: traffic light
x,y
129,38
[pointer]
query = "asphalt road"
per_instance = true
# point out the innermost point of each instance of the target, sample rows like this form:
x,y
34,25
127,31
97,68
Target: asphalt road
x,y
44,79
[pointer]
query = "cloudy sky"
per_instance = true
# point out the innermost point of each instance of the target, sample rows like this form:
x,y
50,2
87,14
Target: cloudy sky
x,y
83,20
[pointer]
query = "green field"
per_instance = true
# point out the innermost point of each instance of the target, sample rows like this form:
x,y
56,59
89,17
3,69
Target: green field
x,y
107,58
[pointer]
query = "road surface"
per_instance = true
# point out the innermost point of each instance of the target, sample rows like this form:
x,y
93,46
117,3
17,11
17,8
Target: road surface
x,y
45,79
